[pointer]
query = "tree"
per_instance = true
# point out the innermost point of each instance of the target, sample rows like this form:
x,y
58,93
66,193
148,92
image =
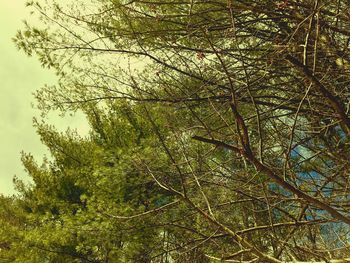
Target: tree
x,y
240,135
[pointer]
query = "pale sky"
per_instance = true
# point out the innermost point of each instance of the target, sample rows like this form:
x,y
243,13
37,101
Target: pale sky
x,y
20,77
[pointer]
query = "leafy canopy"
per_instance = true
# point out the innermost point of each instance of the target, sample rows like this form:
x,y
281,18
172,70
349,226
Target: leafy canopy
x,y
219,132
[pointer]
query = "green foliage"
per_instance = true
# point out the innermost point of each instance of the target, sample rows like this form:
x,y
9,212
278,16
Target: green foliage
x,y
219,132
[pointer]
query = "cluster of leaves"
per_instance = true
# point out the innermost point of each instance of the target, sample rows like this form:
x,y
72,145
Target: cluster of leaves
x,y
220,131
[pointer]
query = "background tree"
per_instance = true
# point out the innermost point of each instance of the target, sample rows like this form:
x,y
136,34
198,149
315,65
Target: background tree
x,y
228,121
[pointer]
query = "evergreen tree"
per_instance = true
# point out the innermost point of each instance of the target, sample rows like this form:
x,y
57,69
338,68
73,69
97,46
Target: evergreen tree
x,y
219,132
